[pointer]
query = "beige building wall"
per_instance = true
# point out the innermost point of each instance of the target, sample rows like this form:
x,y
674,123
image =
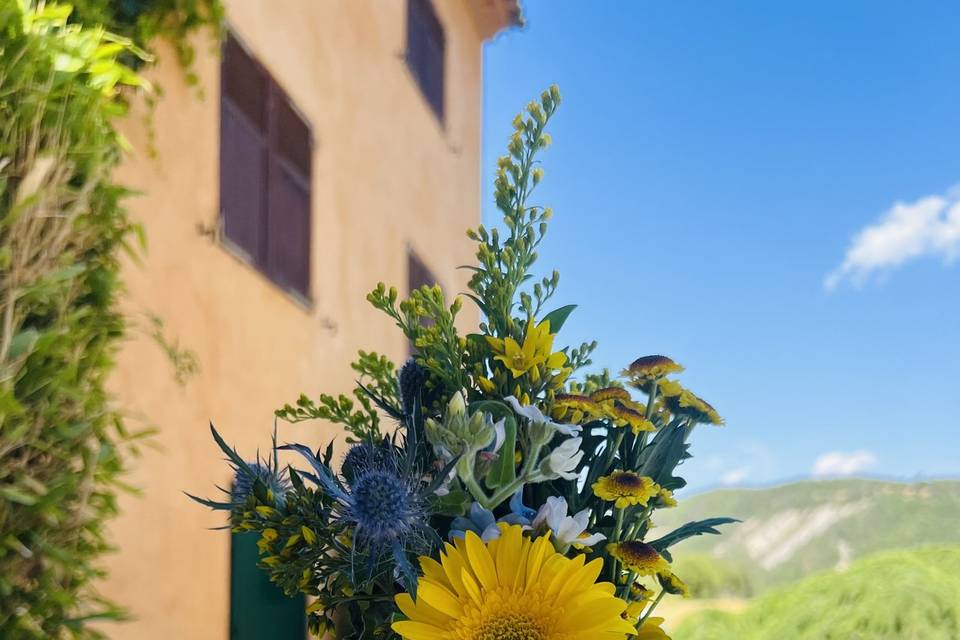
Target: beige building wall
x,y
386,175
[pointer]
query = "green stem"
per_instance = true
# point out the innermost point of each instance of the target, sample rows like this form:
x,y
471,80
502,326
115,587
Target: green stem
x,y
631,578
617,530
651,608
476,490
619,526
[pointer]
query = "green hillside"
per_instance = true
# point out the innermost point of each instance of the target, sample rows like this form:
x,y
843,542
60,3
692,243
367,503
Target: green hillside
x,y
899,595
791,531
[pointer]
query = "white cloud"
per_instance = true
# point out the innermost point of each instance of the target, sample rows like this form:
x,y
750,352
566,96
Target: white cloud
x,y
841,463
735,476
928,227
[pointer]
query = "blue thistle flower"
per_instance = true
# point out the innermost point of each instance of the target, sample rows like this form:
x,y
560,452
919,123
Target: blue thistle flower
x,y
363,456
381,497
273,479
247,477
382,502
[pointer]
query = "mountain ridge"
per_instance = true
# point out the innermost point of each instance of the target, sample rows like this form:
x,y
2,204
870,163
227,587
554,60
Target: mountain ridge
x,y
792,530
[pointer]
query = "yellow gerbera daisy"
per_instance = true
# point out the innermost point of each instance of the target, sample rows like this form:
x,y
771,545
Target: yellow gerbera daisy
x,y
512,588
638,557
625,488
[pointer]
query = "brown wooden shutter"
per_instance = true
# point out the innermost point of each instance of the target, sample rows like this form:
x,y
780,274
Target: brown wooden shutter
x,y
426,48
243,177
288,229
265,172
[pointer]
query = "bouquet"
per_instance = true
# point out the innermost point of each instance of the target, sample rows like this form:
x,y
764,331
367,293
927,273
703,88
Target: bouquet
x,y
489,492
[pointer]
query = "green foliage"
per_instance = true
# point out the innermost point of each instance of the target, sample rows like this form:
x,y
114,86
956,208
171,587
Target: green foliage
x,y
62,447
144,21
362,422
903,595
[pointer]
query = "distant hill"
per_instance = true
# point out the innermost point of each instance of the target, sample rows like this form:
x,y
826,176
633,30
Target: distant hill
x,y
791,531
898,595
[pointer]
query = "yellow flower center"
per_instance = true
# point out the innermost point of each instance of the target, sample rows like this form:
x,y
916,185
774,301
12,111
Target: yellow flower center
x,y
510,627
510,614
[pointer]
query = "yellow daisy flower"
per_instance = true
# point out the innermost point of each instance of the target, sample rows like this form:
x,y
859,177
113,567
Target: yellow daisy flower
x,y
511,588
575,408
623,416
639,592
650,368
625,488
610,394
665,499
683,402
673,584
638,557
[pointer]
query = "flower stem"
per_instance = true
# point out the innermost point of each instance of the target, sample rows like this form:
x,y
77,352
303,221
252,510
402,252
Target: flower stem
x,y
650,609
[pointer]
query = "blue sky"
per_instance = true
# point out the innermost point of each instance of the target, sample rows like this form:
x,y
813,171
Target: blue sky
x,y
726,179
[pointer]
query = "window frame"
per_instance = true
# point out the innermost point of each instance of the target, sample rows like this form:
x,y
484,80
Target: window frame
x,y
268,139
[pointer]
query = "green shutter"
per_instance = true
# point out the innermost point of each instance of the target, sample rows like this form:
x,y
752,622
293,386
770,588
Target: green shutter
x,y
258,608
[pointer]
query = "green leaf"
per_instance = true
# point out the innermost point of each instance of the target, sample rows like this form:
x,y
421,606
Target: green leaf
x,y
16,495
22,343
558,317
454,503
494,407
689,530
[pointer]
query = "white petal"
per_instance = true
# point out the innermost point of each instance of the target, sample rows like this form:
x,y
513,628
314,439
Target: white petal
x,y
589,541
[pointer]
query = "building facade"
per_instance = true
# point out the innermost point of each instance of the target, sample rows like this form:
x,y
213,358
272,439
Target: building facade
x,y
336,144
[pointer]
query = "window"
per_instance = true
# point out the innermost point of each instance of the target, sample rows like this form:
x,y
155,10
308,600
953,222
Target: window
x,y
425,52
265,157
258,608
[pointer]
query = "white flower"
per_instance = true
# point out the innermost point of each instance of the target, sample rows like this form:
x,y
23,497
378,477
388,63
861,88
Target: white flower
x,y
562,461
566,529
534,415
500,434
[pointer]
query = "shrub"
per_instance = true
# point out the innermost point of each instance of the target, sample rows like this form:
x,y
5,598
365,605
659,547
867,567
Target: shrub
x,y
62,446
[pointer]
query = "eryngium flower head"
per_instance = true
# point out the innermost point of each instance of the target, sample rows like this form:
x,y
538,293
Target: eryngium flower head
x,y
274,479
383,505
378,498
365,455
412,379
